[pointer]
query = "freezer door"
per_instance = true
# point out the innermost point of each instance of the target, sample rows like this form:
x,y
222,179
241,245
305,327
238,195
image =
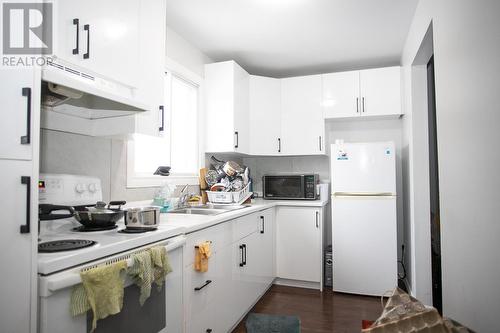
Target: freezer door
x,y
364,234
363,168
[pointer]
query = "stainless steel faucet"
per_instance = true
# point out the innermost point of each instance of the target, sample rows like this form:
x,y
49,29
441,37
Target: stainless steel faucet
x,y
183,197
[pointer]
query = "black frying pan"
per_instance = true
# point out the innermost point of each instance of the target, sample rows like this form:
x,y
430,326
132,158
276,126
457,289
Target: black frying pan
x,y
98,215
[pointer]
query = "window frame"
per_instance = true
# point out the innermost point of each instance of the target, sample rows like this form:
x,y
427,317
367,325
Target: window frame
x,y
135,180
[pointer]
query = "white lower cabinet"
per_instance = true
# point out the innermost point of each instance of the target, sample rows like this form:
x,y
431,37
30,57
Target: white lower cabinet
x,y
17,242
201,291
240,271
299,240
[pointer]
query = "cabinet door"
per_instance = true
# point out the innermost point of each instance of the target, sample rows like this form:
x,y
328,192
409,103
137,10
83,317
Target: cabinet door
x,y
302,123
108,42
265,115
152,54
17,255
241,116
20,103
201,293
298,243
227,292
265,251
251,275
381,91
341,95
226,101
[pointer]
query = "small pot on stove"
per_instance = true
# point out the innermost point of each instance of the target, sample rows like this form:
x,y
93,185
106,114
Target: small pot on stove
x,y
142,218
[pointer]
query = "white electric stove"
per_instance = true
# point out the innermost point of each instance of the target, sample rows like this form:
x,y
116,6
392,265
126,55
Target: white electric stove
x,y
59,272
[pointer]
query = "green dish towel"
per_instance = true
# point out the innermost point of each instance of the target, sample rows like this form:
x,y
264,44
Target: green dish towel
x,y
149,266
101,291
161,264
141,273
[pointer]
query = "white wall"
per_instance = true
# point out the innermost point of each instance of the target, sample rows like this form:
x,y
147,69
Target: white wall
x,y
184,53
466,57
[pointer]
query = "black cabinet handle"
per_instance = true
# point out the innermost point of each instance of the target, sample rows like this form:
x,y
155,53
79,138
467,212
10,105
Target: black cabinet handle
x,y
203,286
237,139
320,145
76,22
263,224
26,180
363,102
245,254
317,220
26,139
86,27
162,114
241,256
279,145
357,104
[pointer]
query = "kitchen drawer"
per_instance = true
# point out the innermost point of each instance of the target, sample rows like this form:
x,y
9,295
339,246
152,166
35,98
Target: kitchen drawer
x,y
244,226
200,310
218,235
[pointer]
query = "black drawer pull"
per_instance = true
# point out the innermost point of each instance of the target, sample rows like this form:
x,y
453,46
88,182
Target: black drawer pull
x,y
25,228
162,115
26,139
237,139
245,254
263,224
279,145
86,27
76,22
241,256
203,286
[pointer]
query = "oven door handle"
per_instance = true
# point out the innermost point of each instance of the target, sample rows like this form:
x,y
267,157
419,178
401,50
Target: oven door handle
x,y
52,283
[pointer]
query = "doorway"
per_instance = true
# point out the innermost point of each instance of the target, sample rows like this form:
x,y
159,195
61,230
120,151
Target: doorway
x,y
434,190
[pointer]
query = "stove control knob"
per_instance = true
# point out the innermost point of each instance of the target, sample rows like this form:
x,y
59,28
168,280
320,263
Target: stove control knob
x,y
79,188
92,188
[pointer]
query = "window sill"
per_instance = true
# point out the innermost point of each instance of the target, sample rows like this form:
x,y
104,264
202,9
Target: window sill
x,y
157,181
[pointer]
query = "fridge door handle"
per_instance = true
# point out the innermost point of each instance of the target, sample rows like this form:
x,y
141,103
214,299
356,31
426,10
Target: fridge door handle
x,y
364,194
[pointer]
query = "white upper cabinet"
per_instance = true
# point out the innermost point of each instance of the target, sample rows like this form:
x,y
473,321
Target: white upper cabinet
x,y
227,108
370,92
103,41
152,54
341,94
380,91
265,115
20,105
302,122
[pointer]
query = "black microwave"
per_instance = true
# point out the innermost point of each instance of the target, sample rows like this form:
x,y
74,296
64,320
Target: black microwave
x,y
290,187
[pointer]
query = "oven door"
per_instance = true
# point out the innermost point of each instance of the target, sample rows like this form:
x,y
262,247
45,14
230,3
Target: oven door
x,y
162,312
284,187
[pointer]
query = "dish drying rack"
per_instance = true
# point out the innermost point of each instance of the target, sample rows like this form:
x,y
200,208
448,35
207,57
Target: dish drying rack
x,y
230,198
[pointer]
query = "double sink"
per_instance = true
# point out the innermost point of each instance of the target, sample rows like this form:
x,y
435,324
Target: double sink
x,y
209,210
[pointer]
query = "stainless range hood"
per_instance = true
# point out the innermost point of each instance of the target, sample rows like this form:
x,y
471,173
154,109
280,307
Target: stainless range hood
x,y
77,93
80,102
61,99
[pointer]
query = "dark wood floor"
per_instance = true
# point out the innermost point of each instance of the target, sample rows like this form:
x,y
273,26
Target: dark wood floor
x,y
318,312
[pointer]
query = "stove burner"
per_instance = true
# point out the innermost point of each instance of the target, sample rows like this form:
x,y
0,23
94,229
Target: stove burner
x,y
135,231
64,245
91,229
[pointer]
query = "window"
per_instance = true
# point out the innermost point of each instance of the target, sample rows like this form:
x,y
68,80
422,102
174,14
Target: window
x,y
177,146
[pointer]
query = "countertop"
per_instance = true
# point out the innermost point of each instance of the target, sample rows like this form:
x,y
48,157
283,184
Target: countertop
x,y
193,223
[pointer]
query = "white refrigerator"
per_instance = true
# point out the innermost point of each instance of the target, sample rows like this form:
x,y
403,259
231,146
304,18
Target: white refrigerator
x,y
364,227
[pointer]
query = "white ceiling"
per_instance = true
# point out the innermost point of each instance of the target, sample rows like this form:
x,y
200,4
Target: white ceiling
x,y
294,37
